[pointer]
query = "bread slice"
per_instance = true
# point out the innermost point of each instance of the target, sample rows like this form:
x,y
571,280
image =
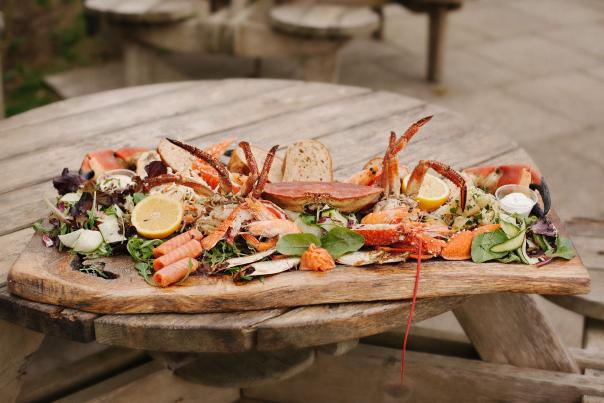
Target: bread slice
x,y
307,161
175,157
238,164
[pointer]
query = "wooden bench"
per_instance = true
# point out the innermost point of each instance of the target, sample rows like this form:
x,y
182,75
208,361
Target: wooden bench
x,y
256,30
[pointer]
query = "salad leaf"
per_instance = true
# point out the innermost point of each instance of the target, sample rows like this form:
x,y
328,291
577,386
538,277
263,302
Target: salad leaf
x,y
141,249
144,270
68,181
296,244
224,251
482,244
340,240
544,227
156,168
510,258
564,249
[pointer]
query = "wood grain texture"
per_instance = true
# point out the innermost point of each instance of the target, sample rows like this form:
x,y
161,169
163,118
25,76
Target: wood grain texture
x,y
46,275
594,341
524,337
317,325
371,374
49,319
16,347
215,332
332,21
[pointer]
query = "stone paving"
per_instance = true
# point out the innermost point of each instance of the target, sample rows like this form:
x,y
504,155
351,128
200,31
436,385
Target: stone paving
x,y
532,69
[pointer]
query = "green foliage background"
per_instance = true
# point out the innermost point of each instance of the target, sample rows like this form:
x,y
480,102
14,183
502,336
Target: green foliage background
x,y
42,37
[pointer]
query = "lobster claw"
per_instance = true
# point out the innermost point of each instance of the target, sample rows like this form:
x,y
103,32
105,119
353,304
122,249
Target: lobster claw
x,y
545,196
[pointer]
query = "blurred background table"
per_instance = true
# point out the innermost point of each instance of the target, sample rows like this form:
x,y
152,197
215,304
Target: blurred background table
x,y
311,32
509,332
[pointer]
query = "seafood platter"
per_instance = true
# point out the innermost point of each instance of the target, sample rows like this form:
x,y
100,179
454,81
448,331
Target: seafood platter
x,y
233,226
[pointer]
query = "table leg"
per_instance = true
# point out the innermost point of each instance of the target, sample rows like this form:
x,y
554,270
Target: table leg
x,y
144,65
324,68
16,346
436,42
510,329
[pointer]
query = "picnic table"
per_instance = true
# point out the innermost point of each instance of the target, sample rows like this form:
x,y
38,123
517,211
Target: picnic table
x,y
310,31
247,348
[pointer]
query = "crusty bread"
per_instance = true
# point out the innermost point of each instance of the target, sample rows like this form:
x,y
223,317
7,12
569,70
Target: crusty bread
x,y
175,157
307,161
238,164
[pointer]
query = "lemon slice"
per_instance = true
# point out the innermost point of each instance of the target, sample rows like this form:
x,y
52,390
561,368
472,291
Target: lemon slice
x,y
157,216
433,193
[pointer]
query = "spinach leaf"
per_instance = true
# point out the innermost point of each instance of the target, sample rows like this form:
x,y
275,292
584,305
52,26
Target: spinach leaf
x,y
340,240
296,244
564,249
138,197
510,258
482,243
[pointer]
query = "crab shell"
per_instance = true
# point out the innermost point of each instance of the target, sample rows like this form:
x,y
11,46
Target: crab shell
x,y
346,197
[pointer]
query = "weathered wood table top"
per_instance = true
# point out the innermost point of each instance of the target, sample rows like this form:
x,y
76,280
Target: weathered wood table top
x,y
36,145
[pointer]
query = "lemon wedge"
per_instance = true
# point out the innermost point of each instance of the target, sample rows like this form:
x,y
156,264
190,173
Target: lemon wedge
x,y
433,193
157,216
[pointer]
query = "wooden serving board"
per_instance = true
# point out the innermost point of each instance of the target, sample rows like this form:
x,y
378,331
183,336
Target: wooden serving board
x,y
46,275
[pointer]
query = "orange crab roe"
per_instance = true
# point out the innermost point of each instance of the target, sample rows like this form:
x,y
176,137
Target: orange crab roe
x,y
316,259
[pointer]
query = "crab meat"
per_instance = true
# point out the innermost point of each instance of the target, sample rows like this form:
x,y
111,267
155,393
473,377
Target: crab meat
x,y
362,258
346,197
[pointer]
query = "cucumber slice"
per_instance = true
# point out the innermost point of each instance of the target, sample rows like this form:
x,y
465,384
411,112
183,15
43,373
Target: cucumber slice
x,y
510,244
510,229
526,259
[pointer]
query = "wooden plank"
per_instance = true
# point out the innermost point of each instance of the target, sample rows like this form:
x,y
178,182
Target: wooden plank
x,y
225,117
450,343
69,377
49,319
16,346
87,80
21,208
11,246
523,336
594,340
64,131
371,374
142,382
216,332
316,325
46,275
590,305
87,103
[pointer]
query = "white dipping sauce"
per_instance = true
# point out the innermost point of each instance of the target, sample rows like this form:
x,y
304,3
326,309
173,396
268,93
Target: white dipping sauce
x,y
517,203
115,183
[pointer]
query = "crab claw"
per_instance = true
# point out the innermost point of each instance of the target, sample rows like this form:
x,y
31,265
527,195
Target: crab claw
x,y
130,154
490,177
418,174
95,163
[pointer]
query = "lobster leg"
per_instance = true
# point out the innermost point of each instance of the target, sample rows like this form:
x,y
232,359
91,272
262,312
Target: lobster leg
x,y
418,174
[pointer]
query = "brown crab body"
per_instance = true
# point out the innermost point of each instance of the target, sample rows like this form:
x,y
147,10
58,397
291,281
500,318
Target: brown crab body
x,y
346,197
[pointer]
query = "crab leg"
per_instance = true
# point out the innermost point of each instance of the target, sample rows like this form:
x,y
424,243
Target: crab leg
x,y
418,174
262,179
253,167
387,165
409,133
223,173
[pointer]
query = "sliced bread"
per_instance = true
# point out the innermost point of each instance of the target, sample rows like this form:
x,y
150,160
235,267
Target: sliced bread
x,y
175,157
238,164
307,161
